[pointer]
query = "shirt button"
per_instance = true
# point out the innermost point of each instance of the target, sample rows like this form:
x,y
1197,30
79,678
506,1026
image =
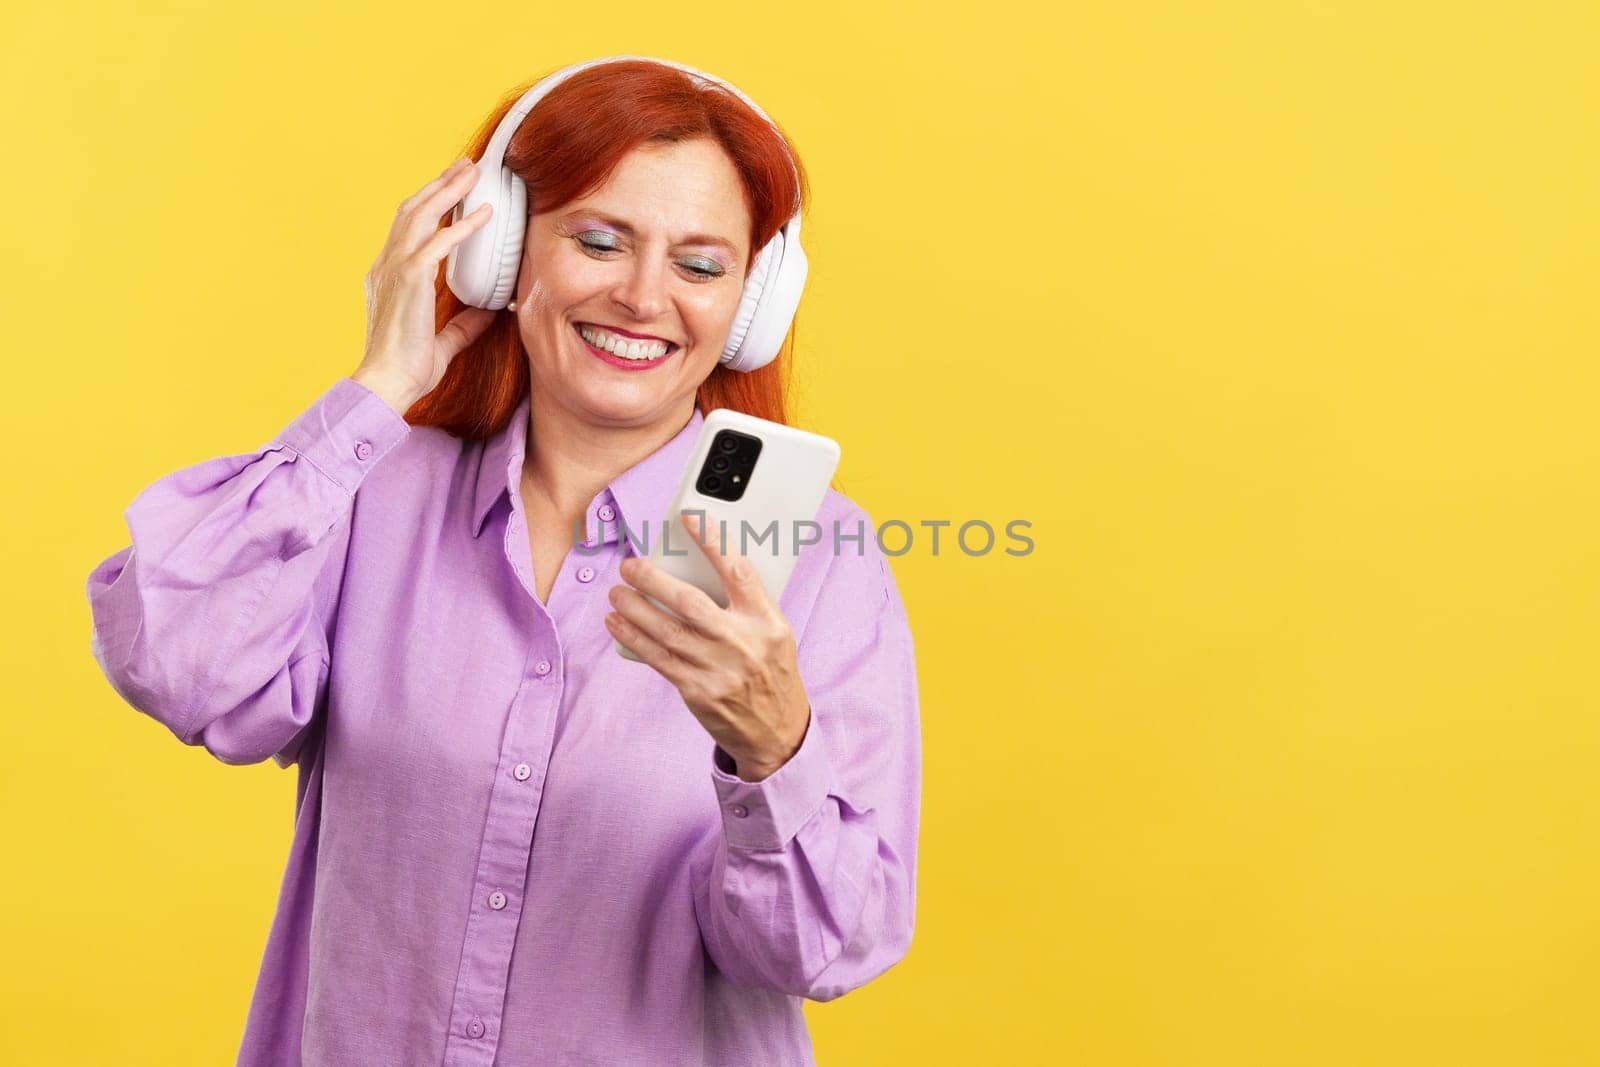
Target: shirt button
x,y
363,450
606,513
739,811
475,1027
542,668
585,574
521,771
497,900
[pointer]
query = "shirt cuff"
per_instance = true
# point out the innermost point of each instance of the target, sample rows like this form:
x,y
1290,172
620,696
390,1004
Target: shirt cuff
x,y
766,815
346,432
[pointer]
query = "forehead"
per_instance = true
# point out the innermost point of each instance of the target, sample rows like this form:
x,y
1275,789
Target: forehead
x,y
682,190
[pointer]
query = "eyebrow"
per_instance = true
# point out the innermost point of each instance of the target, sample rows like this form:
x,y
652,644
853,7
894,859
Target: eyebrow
x,y
687,239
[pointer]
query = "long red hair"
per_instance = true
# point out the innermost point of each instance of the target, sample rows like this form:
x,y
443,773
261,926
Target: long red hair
x,y
567,147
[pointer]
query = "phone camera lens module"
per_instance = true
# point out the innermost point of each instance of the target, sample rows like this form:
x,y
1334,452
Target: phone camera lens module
x,y
719,463
728,443
711,483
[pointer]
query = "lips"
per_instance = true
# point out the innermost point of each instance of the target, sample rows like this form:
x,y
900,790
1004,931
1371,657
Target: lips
x,y
618,361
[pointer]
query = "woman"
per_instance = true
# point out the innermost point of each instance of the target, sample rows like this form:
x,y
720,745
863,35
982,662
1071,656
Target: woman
x,y
513,845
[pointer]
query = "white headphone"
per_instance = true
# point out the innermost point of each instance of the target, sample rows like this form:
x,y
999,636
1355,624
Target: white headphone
x,y
482,269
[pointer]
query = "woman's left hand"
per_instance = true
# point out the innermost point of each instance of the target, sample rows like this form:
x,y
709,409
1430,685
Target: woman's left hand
x,y
736,667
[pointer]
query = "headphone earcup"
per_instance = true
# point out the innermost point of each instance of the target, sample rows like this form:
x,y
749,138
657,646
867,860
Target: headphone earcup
x,y
755,284
514,203
771,297
482,269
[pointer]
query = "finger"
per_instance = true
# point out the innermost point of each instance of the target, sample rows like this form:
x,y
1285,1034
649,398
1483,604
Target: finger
x,y
738,574
671,633
435,248
421,214
651,651
406,208
456,167
463,328
691,604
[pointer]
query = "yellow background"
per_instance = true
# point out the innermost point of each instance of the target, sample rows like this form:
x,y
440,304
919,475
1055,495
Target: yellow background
x,y
1276,319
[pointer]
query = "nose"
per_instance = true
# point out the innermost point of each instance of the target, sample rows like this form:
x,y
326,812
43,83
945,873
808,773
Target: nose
x,y
643,291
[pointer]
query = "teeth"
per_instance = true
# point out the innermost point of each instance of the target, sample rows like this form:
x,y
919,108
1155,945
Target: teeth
x,y
622,346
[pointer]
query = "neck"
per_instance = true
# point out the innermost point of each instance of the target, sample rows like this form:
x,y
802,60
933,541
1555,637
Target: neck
x,y
568,460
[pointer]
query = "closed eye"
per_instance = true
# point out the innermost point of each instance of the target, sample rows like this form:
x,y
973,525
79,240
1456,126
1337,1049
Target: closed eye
x,y
715,272
693,266
596,246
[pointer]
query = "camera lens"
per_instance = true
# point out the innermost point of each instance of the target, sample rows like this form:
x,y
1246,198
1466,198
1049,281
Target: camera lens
x,y
728,443
711,483
719,463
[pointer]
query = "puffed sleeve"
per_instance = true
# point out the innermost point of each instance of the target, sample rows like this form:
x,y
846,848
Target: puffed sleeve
x,y
214,620
809,888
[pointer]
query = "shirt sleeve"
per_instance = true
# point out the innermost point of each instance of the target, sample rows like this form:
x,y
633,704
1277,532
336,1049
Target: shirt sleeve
x,y
214,620
809,887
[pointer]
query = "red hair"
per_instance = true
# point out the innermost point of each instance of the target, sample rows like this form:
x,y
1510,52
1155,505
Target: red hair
x,y
566,148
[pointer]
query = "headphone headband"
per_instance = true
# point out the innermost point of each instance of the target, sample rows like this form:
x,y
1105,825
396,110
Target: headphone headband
x,y
503,133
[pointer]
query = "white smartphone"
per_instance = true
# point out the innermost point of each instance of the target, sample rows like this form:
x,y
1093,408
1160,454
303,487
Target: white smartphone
x,y
761,483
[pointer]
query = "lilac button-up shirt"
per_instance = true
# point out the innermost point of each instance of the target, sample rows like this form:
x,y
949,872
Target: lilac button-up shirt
x,y
512,845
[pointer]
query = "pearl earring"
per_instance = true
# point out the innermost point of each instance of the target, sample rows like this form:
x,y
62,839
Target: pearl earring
x,y
512,306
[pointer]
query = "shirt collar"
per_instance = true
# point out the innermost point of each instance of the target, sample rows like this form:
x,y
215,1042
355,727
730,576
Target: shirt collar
x,y
642,492
500,465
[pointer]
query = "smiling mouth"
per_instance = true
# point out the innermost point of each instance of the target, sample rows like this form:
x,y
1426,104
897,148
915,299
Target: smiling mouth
x,y
617,359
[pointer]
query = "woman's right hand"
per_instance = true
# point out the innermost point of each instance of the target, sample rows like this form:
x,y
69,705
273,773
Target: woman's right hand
x,y
404,358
